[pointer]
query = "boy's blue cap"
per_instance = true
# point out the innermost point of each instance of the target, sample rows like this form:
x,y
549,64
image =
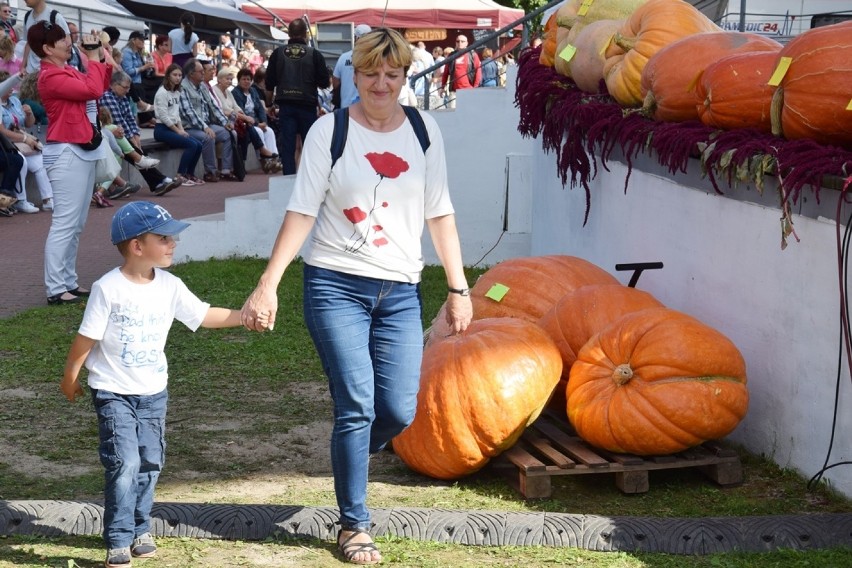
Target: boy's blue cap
x,y
140,217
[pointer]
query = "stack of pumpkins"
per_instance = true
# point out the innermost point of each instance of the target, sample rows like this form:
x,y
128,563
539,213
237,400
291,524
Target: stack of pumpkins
x,y
670,60
634,376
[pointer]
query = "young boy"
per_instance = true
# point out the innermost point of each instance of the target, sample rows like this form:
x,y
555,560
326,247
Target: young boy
x,y
121,341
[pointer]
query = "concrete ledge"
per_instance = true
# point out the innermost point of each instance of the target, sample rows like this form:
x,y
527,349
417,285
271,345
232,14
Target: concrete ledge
x,y
697,536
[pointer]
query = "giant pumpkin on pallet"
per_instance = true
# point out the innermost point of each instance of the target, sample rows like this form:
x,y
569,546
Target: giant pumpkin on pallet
x,y
524,287
581,314
650,28
814,98
656,382
735,91
670,77
478,392
527,287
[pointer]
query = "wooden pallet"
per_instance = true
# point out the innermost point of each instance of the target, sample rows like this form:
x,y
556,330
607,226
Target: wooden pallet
x,y
550,447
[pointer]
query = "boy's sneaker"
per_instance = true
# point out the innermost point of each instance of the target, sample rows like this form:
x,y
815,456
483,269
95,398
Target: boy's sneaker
x,y
25,207
145,162
118,558
143,546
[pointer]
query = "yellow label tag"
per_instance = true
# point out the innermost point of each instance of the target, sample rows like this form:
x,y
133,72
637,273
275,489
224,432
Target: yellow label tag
x,y
568,52
849,106
584,7
497,292
780,71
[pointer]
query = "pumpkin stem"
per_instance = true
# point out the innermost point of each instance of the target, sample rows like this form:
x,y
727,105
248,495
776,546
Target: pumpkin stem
x,y
625,43
775,108
622,374
566,22
649,105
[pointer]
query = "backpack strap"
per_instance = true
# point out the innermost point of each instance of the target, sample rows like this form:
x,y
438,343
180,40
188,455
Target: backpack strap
x,y
341,131
52,17
418,125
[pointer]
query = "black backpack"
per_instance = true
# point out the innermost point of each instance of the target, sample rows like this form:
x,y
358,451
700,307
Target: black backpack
x,y
341,130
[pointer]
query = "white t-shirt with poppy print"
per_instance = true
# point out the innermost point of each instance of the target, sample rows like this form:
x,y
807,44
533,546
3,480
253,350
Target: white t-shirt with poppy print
x,y
372,209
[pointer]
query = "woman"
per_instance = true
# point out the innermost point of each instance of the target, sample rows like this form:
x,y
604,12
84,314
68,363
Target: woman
x,y
250,56
254,114
17,117
183,40
162,58
71,167
362,269
489,69
169,128
8,61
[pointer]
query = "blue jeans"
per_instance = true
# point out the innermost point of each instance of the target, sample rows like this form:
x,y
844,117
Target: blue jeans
x,y
369,337
191,147
132,450
292,120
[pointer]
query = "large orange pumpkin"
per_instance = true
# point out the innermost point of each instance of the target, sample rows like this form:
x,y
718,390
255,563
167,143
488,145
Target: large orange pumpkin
x,y
581,314
524,287
671,75
548,45
651,27
478,392
527,287
656,382
813,99
735,91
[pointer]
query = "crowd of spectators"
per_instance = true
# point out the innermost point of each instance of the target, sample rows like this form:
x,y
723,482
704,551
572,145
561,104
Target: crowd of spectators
x,y
237,100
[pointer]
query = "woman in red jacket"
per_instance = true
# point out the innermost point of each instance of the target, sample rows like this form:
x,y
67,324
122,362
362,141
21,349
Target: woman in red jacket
x,y
69,98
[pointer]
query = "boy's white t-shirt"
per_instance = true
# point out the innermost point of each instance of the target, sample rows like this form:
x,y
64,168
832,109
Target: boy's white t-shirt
x,y
130,323
371,210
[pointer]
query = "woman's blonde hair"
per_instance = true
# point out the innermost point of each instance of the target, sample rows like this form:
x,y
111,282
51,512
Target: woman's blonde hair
x,y
379,46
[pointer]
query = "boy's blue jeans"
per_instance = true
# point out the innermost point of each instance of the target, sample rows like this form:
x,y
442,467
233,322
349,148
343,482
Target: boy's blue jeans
x,y
132,450
369,337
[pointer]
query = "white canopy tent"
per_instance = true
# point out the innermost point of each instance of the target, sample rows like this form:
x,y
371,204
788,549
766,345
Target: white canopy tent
x,y
448,14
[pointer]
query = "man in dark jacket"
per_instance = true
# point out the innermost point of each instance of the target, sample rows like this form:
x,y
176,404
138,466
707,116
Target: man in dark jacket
x,y
294,73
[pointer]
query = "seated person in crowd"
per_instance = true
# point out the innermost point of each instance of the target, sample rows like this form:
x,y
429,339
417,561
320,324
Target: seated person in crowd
x,y
169,128
252,128
203,120
16,118
117,102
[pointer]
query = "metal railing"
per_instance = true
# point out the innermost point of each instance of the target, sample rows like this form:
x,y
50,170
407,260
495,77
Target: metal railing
x,y
427,91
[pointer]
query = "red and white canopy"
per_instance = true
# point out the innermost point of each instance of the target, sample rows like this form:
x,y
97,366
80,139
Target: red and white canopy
x,y
407,14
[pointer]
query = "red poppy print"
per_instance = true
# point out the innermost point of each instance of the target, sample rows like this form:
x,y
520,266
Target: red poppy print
x,y
355,215
387,165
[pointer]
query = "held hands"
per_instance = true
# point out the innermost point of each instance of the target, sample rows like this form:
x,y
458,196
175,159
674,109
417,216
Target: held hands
x,y
258,313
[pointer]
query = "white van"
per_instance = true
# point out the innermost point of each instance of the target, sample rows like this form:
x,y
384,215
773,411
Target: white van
x,y
785,18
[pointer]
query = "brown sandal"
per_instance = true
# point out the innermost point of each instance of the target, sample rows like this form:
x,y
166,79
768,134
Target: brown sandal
x,y
349,549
